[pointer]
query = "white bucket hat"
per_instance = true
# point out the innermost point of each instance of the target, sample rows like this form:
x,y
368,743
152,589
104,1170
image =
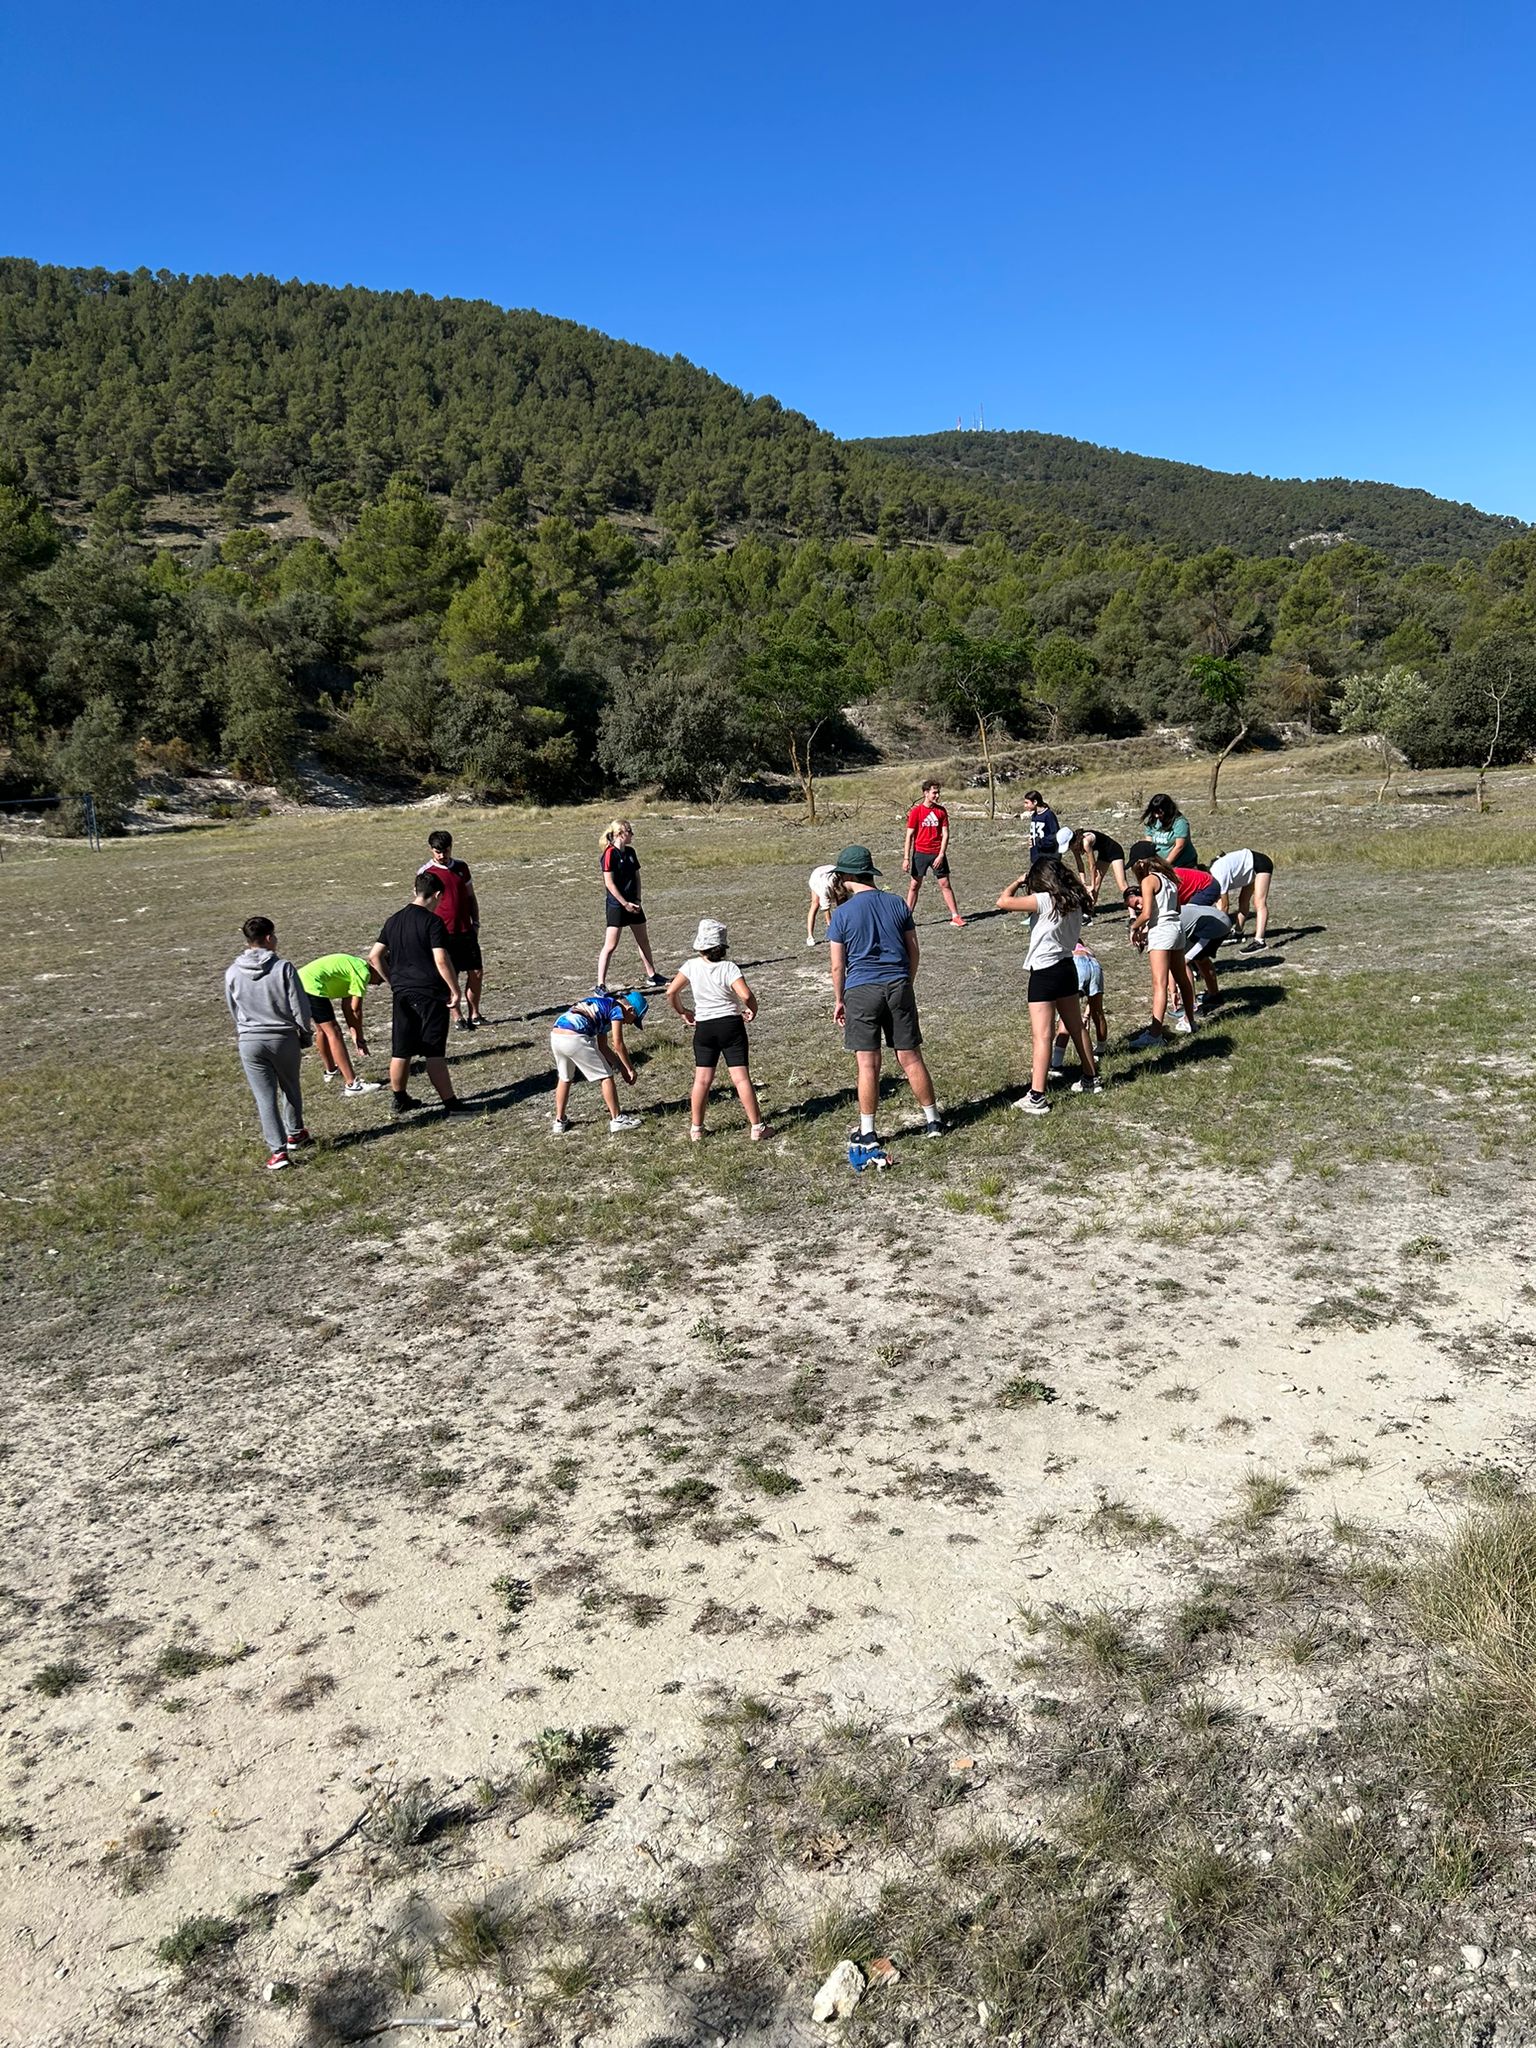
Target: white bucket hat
x,y
711,933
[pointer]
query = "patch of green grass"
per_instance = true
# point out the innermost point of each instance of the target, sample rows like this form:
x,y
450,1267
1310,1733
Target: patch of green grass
x,y
767,1479
197,1940
479,1934
53,1681
1023,1391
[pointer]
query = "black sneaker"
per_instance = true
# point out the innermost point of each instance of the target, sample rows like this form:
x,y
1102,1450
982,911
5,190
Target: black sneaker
x,y
399,1104
934,1127
456,1106
654,981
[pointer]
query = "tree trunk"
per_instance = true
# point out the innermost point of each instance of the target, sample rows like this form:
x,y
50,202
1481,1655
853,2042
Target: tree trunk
x,y
1493,744
804,775
1237,741
1386,762
986,755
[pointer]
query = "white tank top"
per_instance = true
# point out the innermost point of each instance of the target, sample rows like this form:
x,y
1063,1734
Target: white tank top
x,y
1164,921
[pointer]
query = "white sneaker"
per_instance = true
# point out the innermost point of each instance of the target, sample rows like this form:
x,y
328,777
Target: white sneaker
x,y
1033,1104
1144,1039
330,1075
810,942
362,1087
1182,1026
559,1127
622,1123
1083,1086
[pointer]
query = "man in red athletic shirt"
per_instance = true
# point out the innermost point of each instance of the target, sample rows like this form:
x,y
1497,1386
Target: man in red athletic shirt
x,y
460,912
927,850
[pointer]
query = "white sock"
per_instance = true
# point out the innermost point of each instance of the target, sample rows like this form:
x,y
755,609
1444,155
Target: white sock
x,y
866,1125
932,1112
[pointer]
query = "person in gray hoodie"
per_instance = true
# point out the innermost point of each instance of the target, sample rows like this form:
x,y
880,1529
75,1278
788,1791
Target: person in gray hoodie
x,y
272,1028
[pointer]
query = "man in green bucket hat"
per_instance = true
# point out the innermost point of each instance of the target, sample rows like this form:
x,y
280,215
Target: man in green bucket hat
x,y
873,943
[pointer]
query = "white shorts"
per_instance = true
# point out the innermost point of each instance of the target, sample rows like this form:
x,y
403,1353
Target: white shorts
x,y
1166,941
578,1056
822,880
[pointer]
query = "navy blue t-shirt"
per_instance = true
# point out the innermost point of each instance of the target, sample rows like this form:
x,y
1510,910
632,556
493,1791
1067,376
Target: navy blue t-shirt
x,y
1042,832
872,926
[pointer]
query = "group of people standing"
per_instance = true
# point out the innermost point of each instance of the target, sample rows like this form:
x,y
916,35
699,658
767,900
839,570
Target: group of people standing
x,y
429,954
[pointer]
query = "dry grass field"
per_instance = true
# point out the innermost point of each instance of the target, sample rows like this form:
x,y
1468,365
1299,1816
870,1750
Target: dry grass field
x,y
524,1591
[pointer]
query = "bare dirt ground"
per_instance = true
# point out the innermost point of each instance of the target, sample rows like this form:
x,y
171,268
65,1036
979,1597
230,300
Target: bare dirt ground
x,y
582,1591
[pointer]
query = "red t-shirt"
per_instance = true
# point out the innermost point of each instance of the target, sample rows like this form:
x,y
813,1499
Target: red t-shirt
x,y
453,904
928,823
1190,881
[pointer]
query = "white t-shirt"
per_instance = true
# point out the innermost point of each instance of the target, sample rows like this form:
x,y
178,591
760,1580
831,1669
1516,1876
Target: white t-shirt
x,y
711,981
821,884
1234,871
1051,936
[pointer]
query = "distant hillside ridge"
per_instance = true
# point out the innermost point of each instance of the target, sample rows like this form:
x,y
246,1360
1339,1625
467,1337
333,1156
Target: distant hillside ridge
x,y
1180,505
168,384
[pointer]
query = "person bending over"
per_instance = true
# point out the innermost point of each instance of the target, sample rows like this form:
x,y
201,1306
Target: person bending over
x,y
588,1044
339,978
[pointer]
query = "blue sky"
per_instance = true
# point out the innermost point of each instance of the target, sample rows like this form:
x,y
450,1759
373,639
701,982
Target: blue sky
x,y
1298,239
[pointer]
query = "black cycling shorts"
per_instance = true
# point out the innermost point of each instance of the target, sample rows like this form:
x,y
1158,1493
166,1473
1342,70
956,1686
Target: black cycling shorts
x,y
720,1038
1053,984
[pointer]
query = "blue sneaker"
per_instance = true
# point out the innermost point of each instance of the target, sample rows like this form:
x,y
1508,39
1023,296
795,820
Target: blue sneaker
x,y
867,1154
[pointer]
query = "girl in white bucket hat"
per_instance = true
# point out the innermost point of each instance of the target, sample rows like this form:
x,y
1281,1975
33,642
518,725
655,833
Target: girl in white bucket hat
x,y
722,1006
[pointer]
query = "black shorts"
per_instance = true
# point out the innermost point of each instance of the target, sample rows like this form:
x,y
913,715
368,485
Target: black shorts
x,y
720,1038
1107,851
1262,864
930,863
418,1026
464,951
615,914
1053,984
881,1011
321,1009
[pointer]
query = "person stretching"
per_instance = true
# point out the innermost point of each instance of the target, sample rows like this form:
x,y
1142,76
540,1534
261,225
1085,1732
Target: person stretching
x,y
874,964
588,1040
1090,993
826,894
926,850
1054,901
272,1027
1247,876
621,902
339,978
1156,927
723,1007
1095,855
1168,830
411,954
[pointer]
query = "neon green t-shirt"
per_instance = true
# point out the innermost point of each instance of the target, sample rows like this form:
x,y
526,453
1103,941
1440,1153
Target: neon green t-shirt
x,y
333,975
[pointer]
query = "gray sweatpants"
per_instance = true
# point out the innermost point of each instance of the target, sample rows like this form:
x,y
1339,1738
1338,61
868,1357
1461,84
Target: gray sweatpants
x,y
272,1068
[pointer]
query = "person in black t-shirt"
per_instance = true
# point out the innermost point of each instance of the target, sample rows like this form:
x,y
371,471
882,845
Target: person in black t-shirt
x,y
412,954
621,903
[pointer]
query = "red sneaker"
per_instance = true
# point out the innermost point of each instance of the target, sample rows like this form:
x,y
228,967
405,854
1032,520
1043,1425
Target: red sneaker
x,y
276,1161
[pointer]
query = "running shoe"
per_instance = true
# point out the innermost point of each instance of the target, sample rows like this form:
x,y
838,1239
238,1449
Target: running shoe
x,y
276,1161
299,1137
559,1126
1255,946
1182,1027
330,1075
810,942
934,1127
654,981
1144,1040
959,923
1033,1104
622,1123
601,989
1083,1086
758,1132
457,1106
401,1103
361,1087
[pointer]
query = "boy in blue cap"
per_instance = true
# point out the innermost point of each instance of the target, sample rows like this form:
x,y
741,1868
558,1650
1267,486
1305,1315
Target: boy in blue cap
x,y
588,1041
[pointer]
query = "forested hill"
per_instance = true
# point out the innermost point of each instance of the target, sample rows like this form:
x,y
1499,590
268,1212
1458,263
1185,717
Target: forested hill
x,y
165,383
173,384
1181,507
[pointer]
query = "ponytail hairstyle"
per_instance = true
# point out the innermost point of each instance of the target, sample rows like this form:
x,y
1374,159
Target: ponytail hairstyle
x,y
1049,878
612,832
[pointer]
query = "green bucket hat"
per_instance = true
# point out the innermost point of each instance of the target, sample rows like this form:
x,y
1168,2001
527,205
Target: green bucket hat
x,y
857,863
